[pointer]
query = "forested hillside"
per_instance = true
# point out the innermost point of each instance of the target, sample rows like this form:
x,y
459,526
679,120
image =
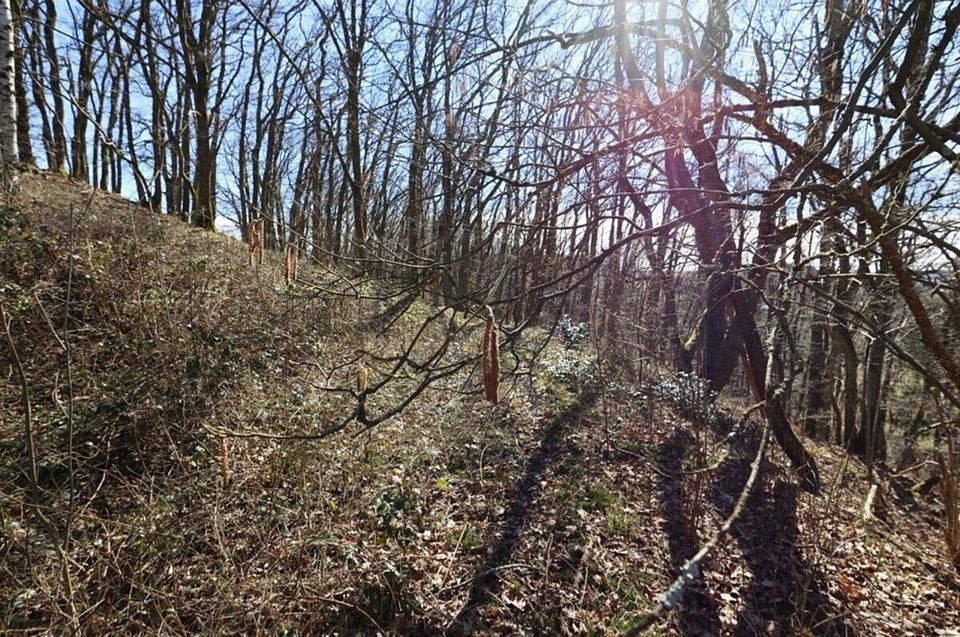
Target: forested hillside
x,y
176,472
435,316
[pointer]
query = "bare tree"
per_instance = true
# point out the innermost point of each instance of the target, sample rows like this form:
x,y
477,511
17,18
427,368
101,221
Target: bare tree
x,y
8,103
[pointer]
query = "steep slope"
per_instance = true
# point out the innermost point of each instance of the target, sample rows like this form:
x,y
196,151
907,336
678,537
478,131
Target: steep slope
x,y
152,353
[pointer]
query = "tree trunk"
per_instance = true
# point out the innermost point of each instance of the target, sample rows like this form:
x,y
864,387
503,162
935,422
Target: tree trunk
x,y
59,137
8,102
845,427
23,110
815,378
197,52
79,168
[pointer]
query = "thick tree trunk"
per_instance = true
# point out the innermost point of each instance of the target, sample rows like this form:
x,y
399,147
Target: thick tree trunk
x,y
414,211
78,144
198,53
205,177
706,202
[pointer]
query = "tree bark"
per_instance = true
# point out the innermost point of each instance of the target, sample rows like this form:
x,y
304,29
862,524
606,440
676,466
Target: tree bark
x,y
8,102
58,146
24,145
197,51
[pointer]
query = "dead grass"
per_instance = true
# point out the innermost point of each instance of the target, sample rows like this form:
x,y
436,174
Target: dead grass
x,y
550,513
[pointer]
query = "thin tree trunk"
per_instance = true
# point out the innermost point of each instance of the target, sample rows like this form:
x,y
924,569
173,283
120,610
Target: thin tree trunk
x,y
8,102
59,137
23,109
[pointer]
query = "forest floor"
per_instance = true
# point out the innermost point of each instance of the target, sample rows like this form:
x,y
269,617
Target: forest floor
x,y
567,509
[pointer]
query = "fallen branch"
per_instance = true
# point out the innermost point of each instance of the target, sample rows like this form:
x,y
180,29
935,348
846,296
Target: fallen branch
x,y
691,569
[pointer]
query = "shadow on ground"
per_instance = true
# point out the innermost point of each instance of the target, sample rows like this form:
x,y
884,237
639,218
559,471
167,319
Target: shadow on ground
x,y
786,594
698,613
486,581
